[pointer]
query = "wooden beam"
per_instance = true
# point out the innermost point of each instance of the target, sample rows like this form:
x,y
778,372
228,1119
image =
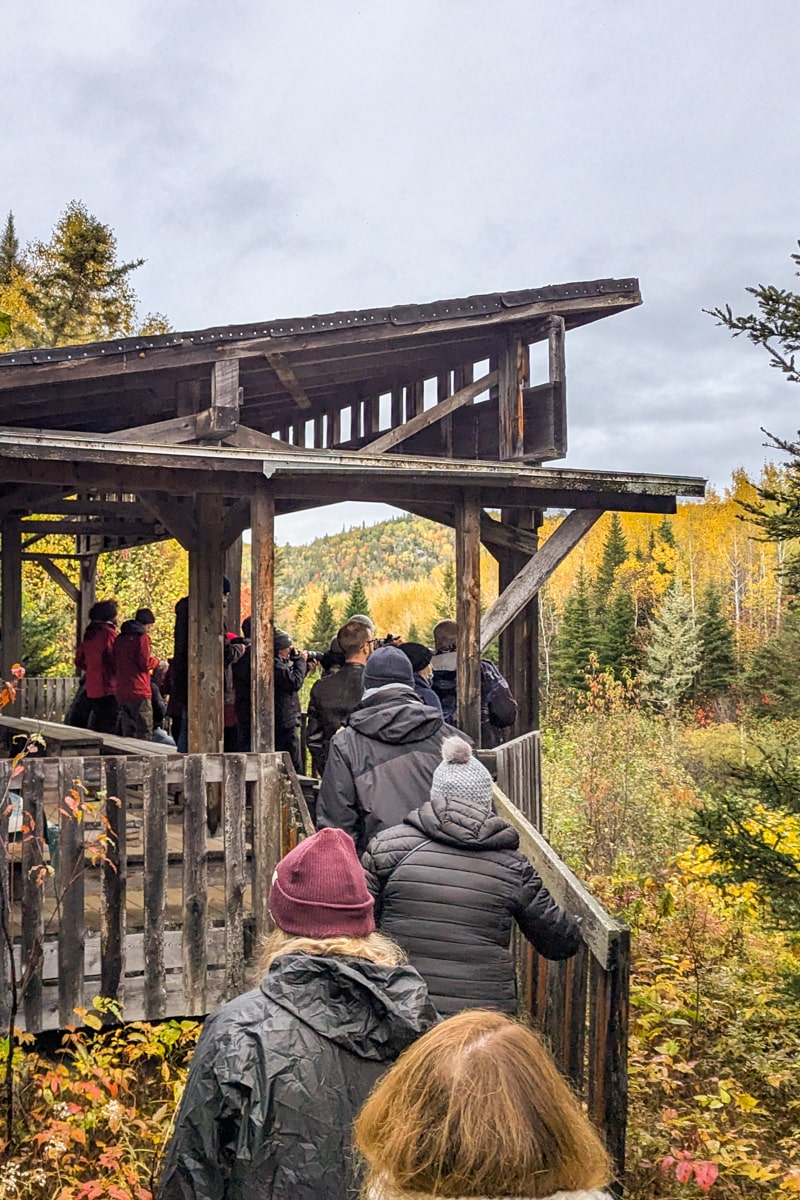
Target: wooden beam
x,y
24,499
87,592
538,570
424,419
173,432
235,520
90,528
556,341
286,375
206,631
11,581
262,588
468,614
519,642
56,574
175,514
226,396
245,438
233,569
514,372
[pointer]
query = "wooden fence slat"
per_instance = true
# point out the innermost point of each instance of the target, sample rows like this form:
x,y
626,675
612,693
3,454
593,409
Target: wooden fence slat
x,y
555,1004
114,884
71,889
195,885
608,1051
233,815
266,838
32,893
575,1018
154,795
5,891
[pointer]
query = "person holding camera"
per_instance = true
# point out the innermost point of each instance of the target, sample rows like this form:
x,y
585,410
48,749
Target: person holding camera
x,y
290,671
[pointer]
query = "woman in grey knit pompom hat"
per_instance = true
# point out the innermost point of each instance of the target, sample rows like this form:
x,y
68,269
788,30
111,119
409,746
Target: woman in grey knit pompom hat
x,y
460,775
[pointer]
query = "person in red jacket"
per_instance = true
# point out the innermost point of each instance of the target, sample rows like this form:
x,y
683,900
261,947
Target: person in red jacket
x,y
94,657
133,662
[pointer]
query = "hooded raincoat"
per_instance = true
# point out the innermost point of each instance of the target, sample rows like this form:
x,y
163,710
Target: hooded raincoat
x,y
381,765
280,1073
449,883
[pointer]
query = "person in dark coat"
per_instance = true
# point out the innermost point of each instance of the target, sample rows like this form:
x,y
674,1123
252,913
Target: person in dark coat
x,y
449,884
280,1073
380,766
290,671
240,672
420,658
335,696
498,706
95,656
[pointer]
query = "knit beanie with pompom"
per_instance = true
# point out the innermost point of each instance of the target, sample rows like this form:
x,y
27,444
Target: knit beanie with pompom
x,y
460,776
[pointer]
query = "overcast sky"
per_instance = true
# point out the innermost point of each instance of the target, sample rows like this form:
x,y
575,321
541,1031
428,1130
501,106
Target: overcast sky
x,y
279,159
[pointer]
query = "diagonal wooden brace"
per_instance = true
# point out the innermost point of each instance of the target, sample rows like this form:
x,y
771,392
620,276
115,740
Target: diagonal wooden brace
x,y
393,437
536,572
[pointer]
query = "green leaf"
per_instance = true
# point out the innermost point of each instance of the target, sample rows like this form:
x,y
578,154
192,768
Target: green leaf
x,y
5,324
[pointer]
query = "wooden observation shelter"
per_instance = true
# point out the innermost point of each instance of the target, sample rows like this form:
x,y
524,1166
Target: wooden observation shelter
x,y
201,435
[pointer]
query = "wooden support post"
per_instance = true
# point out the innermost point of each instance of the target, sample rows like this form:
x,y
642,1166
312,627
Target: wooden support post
x,y
11,582
514,369
87,588
468,613
223,416
262,588
536,572
519,642
233,570
206,631
558,379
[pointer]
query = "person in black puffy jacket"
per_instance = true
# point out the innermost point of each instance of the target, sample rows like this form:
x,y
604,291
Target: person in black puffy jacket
x,y
280,1073
450,882
381,765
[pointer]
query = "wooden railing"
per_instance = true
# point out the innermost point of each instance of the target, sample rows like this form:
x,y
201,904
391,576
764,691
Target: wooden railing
x,y
45,698
164,954
518,771
581,1005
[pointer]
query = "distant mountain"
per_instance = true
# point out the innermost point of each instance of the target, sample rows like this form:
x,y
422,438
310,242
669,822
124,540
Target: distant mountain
x,y
403,548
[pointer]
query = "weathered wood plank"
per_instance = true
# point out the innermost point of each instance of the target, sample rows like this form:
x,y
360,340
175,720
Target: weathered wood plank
x,y
286,375
154,825
608,1050
166,433
71,886
266,838
537,571
514,371
5,890
233,810
262,584
468,613
575,1018
11,605
223,415
175,514
114,883
423,419
206,630
33,833
195,885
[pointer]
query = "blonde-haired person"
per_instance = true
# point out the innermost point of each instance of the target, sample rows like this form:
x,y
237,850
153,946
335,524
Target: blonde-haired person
x,y
280,1072
477,1109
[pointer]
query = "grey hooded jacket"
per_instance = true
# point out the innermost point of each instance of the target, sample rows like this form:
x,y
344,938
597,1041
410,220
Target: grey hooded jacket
x,y
449,883
381,765
279,1075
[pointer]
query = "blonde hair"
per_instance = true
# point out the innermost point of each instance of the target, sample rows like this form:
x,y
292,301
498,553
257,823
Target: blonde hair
x,y
375,947
477,1107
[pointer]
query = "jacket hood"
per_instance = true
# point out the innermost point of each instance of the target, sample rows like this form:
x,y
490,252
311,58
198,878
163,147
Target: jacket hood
x,y
132,629
395,714
445,660
373,1011
464,822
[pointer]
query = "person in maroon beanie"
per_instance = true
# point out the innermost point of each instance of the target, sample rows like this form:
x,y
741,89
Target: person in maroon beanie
x,y
280,1072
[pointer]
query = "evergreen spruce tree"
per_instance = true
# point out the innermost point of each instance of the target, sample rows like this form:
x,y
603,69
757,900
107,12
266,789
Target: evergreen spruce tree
x,y
357,601
42,632
673,656
577,637
746,820
10,258
445,606
615,551
717,673
773,681
618,643
325,625
413,633
664,531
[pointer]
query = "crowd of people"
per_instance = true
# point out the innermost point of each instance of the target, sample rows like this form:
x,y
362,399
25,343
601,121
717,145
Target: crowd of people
x,y
388,987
